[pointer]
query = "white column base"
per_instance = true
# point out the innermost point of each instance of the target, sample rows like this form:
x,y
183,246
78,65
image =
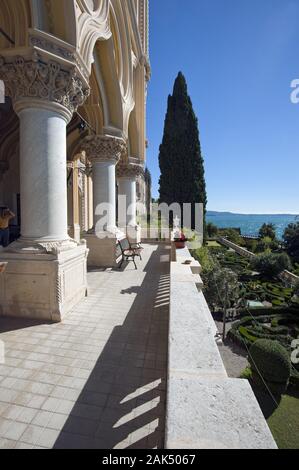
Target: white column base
x,y
103,249
43,286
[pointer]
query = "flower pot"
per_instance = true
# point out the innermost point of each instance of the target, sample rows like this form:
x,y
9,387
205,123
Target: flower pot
x,y
180,244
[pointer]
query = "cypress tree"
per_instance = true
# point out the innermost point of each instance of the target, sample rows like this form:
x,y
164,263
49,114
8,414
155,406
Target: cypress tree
x,y
181,164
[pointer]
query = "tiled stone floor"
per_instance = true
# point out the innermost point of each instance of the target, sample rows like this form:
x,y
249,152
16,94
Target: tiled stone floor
x,y
98,379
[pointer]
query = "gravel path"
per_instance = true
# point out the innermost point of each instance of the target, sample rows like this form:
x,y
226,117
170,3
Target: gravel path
x,y
234,357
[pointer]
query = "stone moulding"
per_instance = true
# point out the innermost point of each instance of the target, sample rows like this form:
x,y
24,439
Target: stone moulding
x,y
43,247
35,78
40,41
101,148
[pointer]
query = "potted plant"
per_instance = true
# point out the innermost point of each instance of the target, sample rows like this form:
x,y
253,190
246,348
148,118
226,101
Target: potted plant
x,y
180,241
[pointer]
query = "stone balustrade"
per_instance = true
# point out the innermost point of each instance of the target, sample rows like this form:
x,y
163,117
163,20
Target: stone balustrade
x,y
205,408
238,249
289,277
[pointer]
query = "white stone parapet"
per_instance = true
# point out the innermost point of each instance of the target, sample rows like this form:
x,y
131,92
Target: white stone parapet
x,y
205,408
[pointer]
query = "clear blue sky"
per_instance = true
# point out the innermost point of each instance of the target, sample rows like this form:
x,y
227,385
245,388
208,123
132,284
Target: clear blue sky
x,y
239,58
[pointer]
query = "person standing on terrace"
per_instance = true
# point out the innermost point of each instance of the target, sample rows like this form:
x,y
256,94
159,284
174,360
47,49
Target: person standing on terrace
x,y
5,217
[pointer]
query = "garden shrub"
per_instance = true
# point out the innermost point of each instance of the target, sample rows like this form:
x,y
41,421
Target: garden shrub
x,y
246,373
246,334
273,362
270,264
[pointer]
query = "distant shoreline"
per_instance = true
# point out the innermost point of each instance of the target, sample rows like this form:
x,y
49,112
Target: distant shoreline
x,y
250,224
215,213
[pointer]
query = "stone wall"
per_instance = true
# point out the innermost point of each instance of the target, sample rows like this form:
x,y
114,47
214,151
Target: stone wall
x,y
205,408
238,249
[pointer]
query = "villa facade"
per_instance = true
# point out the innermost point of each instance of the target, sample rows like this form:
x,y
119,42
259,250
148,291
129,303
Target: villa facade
x,y
72,137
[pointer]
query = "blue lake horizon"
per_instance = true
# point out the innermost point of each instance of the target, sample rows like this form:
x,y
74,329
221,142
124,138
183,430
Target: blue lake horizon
x,y
251,223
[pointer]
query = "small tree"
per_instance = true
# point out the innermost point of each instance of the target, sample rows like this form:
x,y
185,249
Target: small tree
x,y
221,288
291,240
270,264
207,261
268,231
212,230
251,245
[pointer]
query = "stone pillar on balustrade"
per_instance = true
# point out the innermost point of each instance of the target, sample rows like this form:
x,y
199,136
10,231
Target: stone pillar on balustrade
x,y
46,271
104,153
127,174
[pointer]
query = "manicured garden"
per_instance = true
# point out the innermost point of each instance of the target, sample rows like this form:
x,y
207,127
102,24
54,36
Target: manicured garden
x,y
254,286
268,333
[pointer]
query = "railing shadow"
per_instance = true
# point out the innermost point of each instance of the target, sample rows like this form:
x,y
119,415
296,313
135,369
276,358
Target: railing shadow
x,y
122,404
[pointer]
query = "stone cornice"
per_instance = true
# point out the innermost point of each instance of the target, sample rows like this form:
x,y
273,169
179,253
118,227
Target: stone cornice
x,y
101,148
41,42
46,80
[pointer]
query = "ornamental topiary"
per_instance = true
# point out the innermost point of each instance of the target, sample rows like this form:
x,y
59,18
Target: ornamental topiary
x,y
271,360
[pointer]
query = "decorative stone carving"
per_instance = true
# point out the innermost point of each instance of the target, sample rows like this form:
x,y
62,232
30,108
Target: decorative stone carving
x,y
101,148
37,79
43,247
42,43
56,48
129,171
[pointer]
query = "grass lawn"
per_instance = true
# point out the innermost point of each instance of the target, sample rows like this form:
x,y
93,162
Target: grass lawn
x,y
284,423
213,244
284,420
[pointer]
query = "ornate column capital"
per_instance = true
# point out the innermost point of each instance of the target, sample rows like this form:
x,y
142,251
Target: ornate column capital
x,y
40,80
129,170
102,148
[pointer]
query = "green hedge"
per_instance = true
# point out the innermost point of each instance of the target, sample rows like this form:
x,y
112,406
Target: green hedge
x,y
272,360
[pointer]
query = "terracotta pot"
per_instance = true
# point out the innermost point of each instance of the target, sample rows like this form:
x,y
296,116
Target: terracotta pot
x,y
180,244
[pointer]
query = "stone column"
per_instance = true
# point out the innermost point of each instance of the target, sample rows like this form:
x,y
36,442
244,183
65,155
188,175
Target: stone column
x,y
127,199
43,171
46,269
75,229
104,152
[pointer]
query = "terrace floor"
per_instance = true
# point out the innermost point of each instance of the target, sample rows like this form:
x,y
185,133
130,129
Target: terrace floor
x,y
98,379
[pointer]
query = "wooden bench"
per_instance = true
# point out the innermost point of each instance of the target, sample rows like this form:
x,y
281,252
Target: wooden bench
x,y
129,251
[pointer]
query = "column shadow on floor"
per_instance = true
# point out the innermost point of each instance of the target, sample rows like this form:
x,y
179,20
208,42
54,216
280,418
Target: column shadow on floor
x,y
122,404
8,324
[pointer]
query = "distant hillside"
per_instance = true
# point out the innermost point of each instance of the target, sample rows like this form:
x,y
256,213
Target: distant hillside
x,y
231,214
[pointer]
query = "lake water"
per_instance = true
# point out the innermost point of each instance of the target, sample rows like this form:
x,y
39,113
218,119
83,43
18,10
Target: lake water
x,y
250,224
